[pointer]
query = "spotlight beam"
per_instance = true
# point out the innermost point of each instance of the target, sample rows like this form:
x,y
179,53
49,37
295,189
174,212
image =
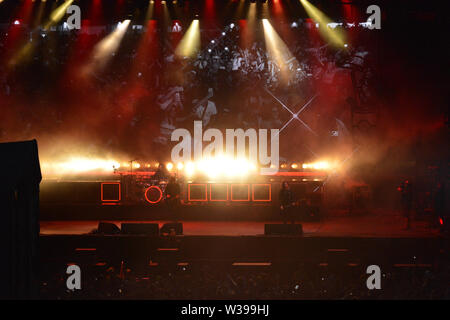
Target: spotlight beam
x,y
278,50
335,37
190,43
58,14
103,50
55,16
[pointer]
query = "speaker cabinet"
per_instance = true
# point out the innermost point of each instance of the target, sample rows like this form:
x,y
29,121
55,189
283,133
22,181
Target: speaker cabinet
x,y
107,228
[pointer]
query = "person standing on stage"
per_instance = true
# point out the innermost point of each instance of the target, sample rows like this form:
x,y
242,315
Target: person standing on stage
x,y
406,192
439,215
172,198
161,174
286,202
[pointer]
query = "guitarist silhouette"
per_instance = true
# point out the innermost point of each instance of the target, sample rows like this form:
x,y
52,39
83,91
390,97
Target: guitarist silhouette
x,y
286,202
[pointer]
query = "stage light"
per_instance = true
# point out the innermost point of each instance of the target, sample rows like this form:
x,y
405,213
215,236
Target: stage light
x,y
103,51
277,48
58,14
334,36
251,13
190,43
180,166
76,165
190,169
294,166
320,165
16,22
169,166
220,166
232,25
136,165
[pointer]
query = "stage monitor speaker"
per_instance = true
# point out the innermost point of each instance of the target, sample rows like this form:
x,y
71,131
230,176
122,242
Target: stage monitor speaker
x,y
107,228
151,229
19,230
283,229
176,226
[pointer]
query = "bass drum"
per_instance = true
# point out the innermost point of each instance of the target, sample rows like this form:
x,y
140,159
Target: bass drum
x,y
154,194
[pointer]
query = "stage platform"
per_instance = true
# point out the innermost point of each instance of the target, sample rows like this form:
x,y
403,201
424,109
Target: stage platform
x,y
367,226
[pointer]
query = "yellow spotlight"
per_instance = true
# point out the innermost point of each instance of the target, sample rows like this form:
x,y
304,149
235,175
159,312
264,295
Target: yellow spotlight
x,y
334,36
283,166
251,13
180,166
58,14
103,50
148,165
294,166
277,48
150,10
169,166
190,43
136,165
